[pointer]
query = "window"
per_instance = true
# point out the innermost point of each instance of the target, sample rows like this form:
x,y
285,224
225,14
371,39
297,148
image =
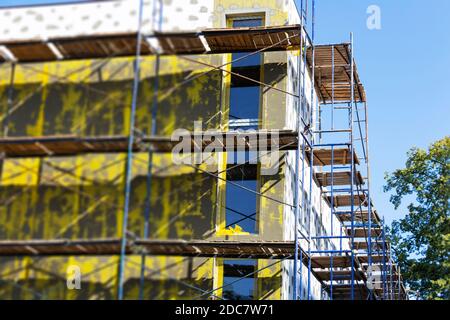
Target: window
x,y
305,212
245,94
324,243
241,199
317,225
241,204
236,287
306,111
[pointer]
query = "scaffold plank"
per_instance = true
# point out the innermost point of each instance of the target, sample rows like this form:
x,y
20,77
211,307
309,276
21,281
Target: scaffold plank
x,y
342,261
222,249
61,247
339,178
339,156
208,41
345,200
253,39
182,248
273,250
343,291
375,258
376,245
15,147
323,60
64,145
359,216
364,232
324,262
339,275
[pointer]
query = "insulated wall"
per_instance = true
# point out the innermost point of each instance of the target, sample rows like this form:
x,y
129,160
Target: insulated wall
x,y
82,197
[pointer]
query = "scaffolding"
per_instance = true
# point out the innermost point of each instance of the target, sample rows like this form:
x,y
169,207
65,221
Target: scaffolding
x,y
365,270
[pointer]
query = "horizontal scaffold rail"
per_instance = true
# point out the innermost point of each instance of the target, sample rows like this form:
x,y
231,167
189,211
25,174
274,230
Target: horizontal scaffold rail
x,y
208,41
66,145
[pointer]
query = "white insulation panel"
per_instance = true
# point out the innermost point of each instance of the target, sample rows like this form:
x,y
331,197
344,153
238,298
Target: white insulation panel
x,y
102,17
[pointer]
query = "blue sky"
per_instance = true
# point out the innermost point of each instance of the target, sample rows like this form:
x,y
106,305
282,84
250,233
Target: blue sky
x,y
405,68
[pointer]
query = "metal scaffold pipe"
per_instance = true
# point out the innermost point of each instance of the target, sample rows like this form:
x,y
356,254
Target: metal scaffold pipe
x,y
129,162
311,161
153,128
297,160
352,170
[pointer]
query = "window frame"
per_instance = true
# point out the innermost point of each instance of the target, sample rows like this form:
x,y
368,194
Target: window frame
x,y
230,18
232,175
254,277
222,217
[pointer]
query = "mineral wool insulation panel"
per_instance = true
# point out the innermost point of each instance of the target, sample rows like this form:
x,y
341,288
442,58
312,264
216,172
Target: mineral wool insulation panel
x,y
100,18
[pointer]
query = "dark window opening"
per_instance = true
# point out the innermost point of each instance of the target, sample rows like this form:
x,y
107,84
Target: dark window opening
x,y
305,212
244,93
241,204
235,287
306,111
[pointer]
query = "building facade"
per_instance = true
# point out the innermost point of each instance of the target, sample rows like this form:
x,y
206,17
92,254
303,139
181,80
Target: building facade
x,y
226,197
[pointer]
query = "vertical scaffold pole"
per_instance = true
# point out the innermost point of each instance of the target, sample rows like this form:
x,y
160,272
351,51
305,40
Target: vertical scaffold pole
x,y
303,207
332,168
369,207
153,129
385,288
332,88
352,98
300,142
399,283
332,214
391,279
10,100
297,205
304,140
128,173
311,161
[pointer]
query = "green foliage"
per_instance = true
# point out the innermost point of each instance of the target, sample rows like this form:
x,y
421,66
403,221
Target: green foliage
x,y
421,240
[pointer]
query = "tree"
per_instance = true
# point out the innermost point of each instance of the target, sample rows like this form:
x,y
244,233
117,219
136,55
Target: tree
x,y
421,240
